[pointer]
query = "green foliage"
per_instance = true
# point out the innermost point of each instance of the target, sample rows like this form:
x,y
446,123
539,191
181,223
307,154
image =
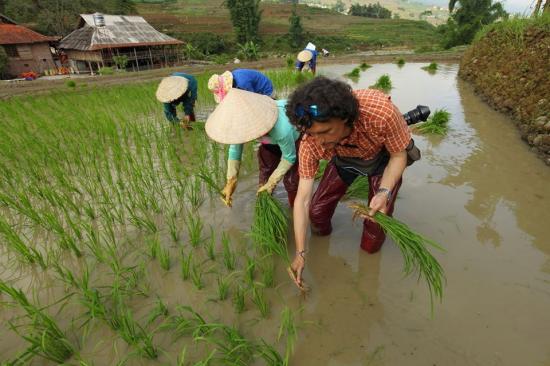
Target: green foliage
x,y
248,51
436,124
364,66
466,20
296,31
245,16
431,68
190,52
354,73
514,28
121,61
3,61
400,62
70,83
106,71
370,11
339,6
207,43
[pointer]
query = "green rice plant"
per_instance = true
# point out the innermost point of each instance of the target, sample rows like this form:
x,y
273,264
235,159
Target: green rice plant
x,y
289,329
207,360
210,181
181,358
196,276
431,68
194,228
359,189
259,300
210,246
250,268
270,226
238,298
383,83
186,265
234,349
223,287
164,259
229,258
414,248
321,170
290,62
437,124
270,355
154,247
15,243
42,332
159,310
173,226
400,62
364,66
268,272
354,73
193,193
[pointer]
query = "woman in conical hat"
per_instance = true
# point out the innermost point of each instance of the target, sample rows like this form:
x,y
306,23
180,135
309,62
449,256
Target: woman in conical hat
x,y
179,88
243,116
307,56
244,79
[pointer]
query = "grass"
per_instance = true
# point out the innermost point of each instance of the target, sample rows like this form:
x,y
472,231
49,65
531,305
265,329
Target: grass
x,y
383,83
414,248
437,124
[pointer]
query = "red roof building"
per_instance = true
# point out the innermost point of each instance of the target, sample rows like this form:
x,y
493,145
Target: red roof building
x,y
27,50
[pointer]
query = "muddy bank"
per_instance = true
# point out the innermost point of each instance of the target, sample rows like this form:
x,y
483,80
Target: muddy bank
x,y
10,89
510,71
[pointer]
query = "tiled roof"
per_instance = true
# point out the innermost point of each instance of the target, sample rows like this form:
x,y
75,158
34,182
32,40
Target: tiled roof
x,y
16,34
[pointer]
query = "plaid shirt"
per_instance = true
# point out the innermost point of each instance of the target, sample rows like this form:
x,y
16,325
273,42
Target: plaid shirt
x,y
378,125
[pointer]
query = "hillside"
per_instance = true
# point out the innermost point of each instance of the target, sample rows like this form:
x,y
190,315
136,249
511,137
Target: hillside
x,y
184,18
508,66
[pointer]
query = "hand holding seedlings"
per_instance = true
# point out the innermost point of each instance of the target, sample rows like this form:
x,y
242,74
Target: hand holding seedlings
x,y
228,190
296,269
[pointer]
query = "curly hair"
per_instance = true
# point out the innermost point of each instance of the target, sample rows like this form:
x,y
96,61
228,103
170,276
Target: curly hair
x,y
319,100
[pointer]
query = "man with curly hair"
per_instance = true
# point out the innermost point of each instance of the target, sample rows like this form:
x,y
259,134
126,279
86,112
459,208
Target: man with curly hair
x,y
360,133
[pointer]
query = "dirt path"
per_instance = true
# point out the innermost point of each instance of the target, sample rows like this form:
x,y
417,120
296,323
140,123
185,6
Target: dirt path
x,y
10,89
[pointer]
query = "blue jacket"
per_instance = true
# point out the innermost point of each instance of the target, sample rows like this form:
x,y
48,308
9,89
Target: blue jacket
x,y
252,81
187,100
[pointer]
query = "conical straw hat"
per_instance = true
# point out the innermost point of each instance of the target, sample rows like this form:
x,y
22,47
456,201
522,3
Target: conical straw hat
x,y
220,85
241,116
171,88
305,56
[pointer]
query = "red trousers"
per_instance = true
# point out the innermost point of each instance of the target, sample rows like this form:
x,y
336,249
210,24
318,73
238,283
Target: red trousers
x,y
325,199
269,157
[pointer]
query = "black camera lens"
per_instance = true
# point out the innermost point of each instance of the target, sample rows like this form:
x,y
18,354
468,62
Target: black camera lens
x,y
420,113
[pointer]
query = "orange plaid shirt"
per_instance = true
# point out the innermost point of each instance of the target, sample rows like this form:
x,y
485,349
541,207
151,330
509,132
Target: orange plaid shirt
x,y
378,125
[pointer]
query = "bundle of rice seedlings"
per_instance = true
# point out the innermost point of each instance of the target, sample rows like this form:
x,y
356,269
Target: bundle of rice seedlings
x,y
431,68
359,189
270,225
364,66
354,73
383,83
413,247
400,62
436,124
321,170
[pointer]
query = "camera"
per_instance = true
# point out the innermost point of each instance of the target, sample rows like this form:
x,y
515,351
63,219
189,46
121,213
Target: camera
x,y
420,113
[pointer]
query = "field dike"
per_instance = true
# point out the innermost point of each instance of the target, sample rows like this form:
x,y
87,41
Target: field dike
x,y
508,66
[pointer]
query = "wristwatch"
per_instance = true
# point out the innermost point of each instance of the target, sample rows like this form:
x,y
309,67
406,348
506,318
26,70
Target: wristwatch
x,y
386,191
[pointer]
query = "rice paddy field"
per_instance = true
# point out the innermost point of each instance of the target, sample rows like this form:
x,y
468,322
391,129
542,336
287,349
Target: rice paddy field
x,y
116,249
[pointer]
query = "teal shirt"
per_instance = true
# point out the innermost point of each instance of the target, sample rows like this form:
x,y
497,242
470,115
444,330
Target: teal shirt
x,y
187,100
283,134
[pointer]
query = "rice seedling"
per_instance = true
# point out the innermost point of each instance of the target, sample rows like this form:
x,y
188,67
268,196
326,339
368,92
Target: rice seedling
x,y
196,276
414,248
437,123
159,310
15,243
383,83
321,170
289,329
431,68
194,194
359,189
229,258
250,268
268,272
194,228
173,226
270,355
207,360
186,265
354,73
43,334
234,349
154,247
259,300
180,361
270,226
210,246
164,258
400,62
223,287
210,181
238,298
364,66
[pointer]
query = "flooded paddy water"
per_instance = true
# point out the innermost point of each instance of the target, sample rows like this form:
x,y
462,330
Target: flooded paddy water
x,y
478,191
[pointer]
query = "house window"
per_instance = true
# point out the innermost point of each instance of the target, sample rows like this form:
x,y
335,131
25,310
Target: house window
x,y
11,50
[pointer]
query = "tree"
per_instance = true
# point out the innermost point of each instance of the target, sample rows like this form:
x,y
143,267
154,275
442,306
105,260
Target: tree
x,y
370,11
245,16
296,31
467,18
339,6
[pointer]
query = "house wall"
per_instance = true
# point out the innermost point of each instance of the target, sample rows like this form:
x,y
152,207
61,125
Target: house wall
x,y
35,57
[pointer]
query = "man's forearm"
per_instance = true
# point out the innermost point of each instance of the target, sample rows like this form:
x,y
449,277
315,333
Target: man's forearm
x,y
394,170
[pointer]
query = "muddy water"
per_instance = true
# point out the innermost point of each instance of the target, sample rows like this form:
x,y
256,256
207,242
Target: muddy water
x,y
486,198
